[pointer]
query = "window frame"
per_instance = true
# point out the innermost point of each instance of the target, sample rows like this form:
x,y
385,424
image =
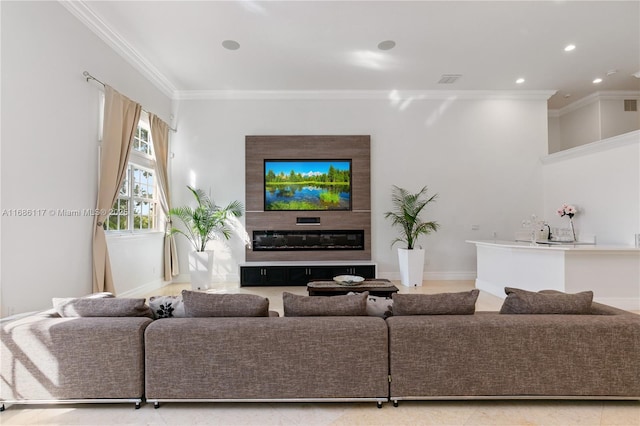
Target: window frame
x,y
147,163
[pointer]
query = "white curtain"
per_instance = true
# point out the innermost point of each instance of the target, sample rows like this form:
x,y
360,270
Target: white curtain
x,y
121,117
160,137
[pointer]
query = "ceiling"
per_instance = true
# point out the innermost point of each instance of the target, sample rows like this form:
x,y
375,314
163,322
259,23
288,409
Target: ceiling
x,y
332,45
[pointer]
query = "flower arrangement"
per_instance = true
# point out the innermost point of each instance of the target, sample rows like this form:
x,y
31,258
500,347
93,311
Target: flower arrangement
x,y
568,210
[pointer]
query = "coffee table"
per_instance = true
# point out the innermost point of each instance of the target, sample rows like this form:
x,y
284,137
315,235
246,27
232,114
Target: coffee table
x,y
375,287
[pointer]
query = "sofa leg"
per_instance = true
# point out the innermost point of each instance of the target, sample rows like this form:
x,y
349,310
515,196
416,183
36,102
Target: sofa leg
x,y
379,404
395,403
156,405
1,408
137,405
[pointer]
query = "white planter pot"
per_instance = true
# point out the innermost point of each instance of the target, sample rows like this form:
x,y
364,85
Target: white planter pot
x,y
201,269
411,266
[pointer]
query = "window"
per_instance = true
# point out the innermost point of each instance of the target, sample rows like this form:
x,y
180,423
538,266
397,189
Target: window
x,y
136,206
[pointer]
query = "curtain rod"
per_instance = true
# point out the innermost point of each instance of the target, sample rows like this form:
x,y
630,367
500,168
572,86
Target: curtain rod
x,y
88,77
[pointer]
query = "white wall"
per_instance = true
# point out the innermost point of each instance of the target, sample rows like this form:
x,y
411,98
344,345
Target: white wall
x,y
603,181
49,150
593,118
481,156
580,126
617,121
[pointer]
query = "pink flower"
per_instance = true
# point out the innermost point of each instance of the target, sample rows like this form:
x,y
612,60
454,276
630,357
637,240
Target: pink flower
x,y
567,210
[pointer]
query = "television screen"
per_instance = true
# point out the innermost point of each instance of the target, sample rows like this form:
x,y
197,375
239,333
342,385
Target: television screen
x,y
305,185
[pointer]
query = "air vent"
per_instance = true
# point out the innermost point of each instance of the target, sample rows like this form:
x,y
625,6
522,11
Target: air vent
x,y
630,104
449,78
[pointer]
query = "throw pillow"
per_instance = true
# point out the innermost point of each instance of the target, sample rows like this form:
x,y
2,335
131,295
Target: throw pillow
x,y
101,307
463,303
167,306
198,304
520,301
378,306
317,306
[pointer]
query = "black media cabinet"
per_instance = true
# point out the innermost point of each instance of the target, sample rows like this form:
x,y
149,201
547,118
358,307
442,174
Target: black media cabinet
x,y
300,274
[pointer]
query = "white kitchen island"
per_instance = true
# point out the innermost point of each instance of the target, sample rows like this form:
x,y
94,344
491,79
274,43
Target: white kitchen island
x,y
611,272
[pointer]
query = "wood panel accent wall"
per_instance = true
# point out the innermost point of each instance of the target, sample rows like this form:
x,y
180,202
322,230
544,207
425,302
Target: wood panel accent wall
x,y
260,148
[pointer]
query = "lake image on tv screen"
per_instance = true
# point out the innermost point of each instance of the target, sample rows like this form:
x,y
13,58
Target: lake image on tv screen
x,y
307,185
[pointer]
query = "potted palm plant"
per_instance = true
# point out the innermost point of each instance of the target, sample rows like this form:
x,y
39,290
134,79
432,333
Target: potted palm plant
x,y
407,208
202,224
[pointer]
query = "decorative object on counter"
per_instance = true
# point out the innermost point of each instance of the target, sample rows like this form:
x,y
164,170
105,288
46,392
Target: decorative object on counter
x,y
407,208
569,210
348,279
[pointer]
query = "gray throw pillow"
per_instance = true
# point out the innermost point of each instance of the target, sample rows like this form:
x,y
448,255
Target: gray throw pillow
x,y
520,301
463,303
317,306
101,307
198,304
167,306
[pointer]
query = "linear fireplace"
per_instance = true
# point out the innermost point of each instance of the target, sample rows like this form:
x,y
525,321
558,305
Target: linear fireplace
x,y
308,240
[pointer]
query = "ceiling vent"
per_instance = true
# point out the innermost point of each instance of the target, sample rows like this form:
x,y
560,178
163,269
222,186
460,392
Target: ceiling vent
x,y
449,78
631,105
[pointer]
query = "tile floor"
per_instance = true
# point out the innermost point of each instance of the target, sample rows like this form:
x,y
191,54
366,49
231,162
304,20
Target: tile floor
x,y
508,413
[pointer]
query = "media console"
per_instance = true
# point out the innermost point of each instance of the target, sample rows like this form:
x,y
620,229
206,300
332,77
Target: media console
x,y
292,274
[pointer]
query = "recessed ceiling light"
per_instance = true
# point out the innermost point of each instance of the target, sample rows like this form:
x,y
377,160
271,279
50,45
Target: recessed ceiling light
x,y
597,80
569,47
520,80
231,45
611,72
386,45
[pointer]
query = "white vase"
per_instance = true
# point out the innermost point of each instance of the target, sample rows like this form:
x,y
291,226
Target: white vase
x,y
411,266
201,269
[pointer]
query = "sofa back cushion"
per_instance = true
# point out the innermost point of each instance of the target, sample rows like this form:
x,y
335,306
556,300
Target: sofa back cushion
x,y
101,307
463,303
520,301
197,304
317,306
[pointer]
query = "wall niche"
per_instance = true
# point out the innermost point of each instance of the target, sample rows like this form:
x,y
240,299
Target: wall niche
x,y
354,216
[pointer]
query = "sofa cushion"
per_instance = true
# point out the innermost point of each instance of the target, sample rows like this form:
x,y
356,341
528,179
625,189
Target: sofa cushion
x,y
198,304
520,301
167,306
463,303
101,307
317,306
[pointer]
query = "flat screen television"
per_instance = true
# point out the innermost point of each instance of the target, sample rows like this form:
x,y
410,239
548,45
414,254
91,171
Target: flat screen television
x,y
307,185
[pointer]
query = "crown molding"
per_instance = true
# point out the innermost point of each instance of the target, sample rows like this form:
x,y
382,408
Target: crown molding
x,y
392,95
81,10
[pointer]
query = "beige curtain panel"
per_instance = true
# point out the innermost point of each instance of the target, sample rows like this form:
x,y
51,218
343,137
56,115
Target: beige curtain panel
x,y
160,138
121,116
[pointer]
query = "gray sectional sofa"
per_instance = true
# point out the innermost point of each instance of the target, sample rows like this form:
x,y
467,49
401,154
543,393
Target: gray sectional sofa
x,y
267,359
45,358
335,357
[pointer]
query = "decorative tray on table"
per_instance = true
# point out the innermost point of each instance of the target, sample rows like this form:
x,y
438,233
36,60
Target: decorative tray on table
x,y
348,280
